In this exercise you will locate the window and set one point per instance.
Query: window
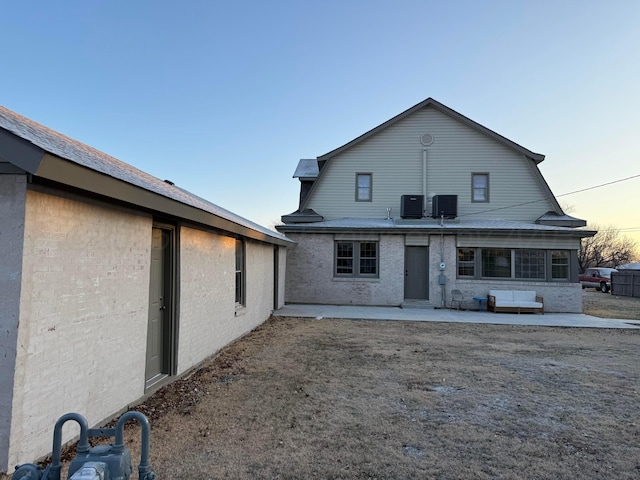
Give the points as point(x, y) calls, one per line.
point(559, 264)
point(356, 259)
point(529, 264)
point(496, 262)
point(363, 187)
point(240, 280)
point(514, 263)
point(466, 262)
point(480, 187)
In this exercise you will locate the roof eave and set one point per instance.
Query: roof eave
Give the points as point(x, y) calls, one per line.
point(20, 152)
point(71, 174)
point(311, 228)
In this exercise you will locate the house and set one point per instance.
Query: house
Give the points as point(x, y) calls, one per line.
point(425, 203)
point(112, 283)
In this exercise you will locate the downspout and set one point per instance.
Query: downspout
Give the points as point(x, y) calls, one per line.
point(444, 279)
point(424, 180)
point(441, 276)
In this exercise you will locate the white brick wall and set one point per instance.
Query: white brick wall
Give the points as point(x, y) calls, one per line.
point(310, 274)
point(282, 268)
point(12, 207)
point(310, 277)
point(81, 345)
point(208, 316)
point(85, 282)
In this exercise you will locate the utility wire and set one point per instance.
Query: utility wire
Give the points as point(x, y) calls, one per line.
point(544, 199)
point(598, 186)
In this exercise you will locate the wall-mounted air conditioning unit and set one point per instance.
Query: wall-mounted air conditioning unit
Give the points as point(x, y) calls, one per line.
point(411, 206)
point(444, 206)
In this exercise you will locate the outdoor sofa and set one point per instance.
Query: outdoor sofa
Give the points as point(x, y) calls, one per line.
point(520, 301)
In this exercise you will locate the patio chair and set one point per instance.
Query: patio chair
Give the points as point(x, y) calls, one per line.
point(457, 298)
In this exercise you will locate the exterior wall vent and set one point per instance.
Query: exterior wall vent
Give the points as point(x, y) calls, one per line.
point(426, 139)
point(445, 205)
point(411, 206)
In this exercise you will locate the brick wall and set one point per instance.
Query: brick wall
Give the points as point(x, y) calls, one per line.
point(209, 319)
point(559, 297)
point(310, 277)
point(83, 316)
point(12, 207)
point(310, 274)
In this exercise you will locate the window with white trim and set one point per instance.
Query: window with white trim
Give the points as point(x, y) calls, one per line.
point(356, 259)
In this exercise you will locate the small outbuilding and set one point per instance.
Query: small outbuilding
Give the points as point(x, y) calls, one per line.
point(112, 283)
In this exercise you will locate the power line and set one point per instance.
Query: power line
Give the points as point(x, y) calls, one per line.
point(598, 186)
point(556, 196)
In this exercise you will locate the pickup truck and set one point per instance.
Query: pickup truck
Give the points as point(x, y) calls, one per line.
point(598, 278)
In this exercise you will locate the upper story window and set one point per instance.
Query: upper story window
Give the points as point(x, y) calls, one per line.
point(363, 187)
point(480, 187)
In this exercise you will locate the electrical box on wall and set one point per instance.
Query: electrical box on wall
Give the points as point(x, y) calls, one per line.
point(411, 206)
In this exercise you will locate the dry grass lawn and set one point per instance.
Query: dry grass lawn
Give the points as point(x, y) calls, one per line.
point(331, 399)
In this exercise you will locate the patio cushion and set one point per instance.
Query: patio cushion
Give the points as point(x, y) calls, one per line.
point(524, 296)
point(502, 296)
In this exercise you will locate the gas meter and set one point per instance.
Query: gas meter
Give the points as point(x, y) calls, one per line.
point(102, 462)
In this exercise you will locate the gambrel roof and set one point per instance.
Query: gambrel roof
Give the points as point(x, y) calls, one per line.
point(52, 156)
point(430, 102)
point(311, 171)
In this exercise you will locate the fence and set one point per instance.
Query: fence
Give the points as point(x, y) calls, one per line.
point(625, 283)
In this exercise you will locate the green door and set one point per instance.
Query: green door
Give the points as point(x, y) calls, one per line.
point(416, 273)
point(159, 324)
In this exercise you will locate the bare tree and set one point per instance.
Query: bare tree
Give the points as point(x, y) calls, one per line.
point(607, 248)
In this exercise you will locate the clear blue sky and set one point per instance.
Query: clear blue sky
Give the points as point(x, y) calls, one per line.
point(224, 97)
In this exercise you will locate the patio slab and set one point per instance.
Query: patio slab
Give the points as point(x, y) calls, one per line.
point(446, 315)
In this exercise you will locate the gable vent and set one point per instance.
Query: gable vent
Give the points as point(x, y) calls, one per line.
point(426, 139)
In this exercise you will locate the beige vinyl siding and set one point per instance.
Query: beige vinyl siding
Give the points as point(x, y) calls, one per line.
point(394, 157)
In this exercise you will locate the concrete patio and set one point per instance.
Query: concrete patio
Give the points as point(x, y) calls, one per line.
point(446, 315)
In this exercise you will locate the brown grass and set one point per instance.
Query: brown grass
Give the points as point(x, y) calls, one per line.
point(605, 305)
point(303, 399)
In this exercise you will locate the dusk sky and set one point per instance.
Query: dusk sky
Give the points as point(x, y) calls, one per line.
point(224, 98)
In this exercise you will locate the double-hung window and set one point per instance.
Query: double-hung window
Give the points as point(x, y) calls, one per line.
point(479, 187)
point(466, 262)
point(363, 187)
point(559, 264)
point(356, 259)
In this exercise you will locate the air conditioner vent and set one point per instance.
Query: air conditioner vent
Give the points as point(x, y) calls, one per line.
point(445, 206)
point(411, 206)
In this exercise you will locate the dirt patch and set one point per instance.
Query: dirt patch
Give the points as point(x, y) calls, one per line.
point(302, 399)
